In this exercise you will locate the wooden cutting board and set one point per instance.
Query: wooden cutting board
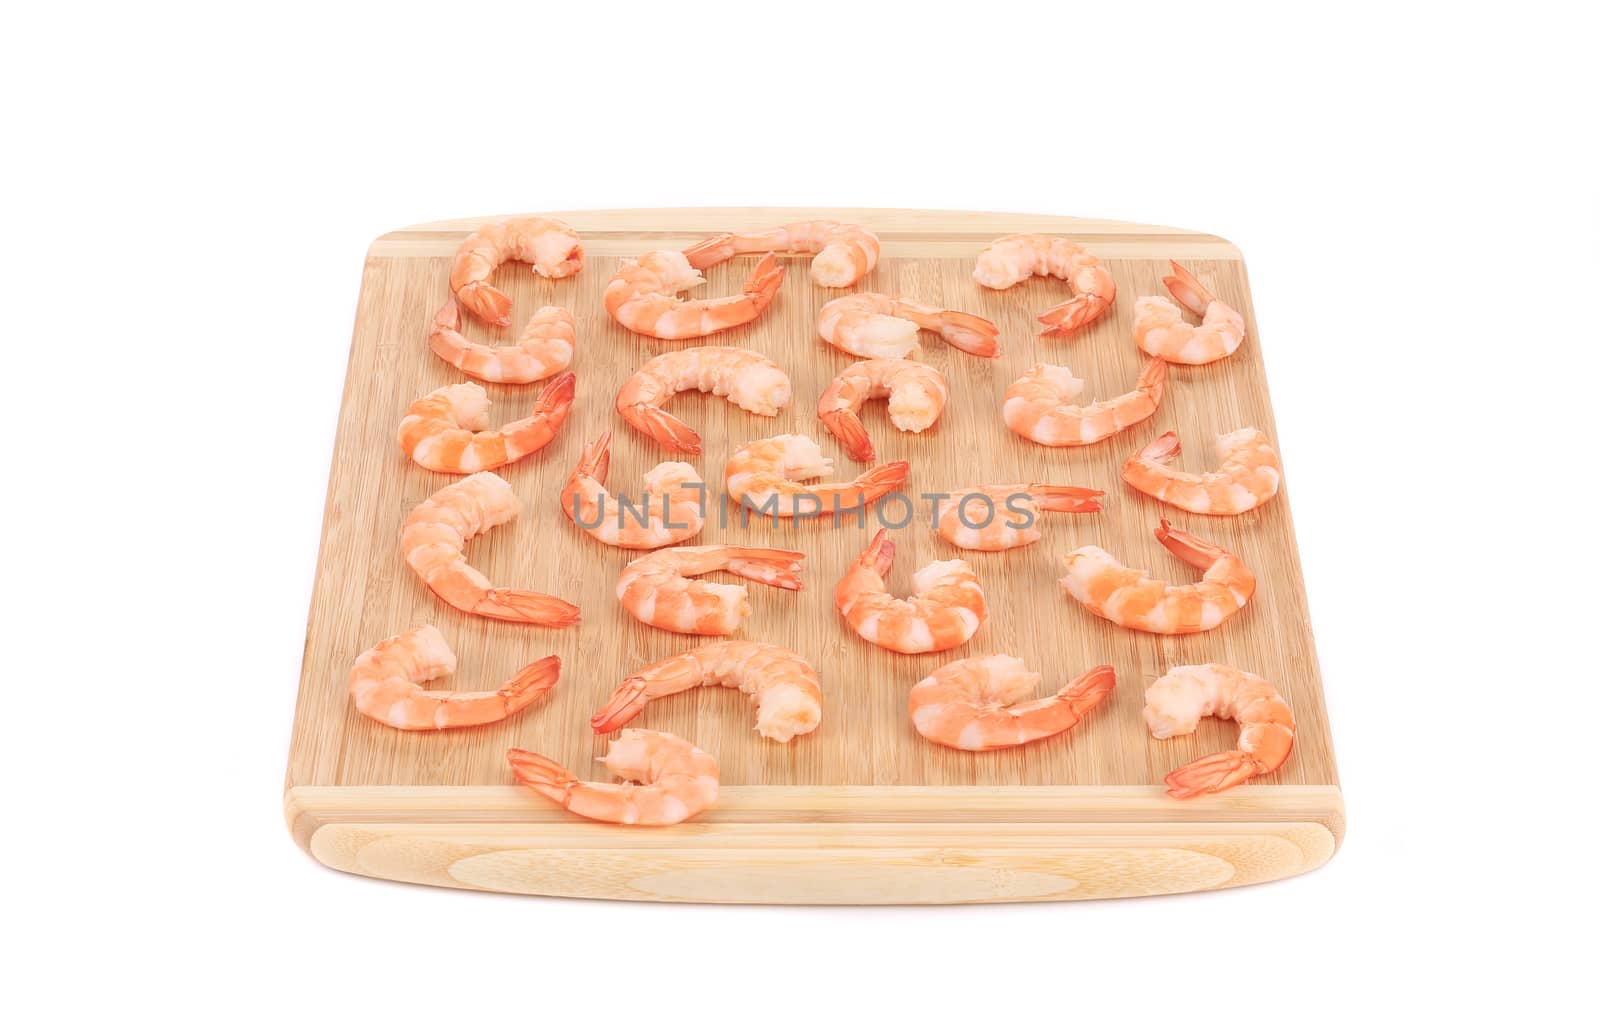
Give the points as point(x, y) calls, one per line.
point(862, 810)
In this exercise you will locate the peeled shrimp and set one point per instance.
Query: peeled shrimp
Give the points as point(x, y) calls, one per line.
point(996, 517)
point(674, 780)
point(1175, 703)
point(550, 246)
point(1249, 474)
point(656, 589)
point(973, 703)
point(764, 476)
point(944, 611)
point(544, 349)
point(643, 297)
point(1159, 327)
point(447, 430)
point(916, 396)
point(1011, 259)
point(844, 253)
point(1131, 598)
point(780, 683)
point(672, 509)
point(385, 685)
point(1039, 406)
point(748, 379)
point(882, 327)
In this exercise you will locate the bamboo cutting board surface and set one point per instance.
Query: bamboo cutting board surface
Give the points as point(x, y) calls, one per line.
point(865, 747)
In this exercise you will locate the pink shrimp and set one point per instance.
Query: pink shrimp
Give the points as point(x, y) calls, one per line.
point(1175, 703)
point(844, 253)
point(671, 780)
point(549, 245)
point(673, 507)
point(748, 379)
point(1159, 327)
point(780, 683)
point(1133, 599)
point(447, 429)
point(1010, 259)
point(643, 297)
point(385, 685)
point(1039, 406)
point(877, 326)
point(544, 349)
point(977, 704)
point(1248, 476)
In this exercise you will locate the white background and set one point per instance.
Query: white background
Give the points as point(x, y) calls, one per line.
point(189, 197)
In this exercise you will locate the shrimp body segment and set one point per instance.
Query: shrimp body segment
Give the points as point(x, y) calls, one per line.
point(780, 683)
point(748, 379)
point(550, 246)
point(844, 253)
point(671, 510)
point(658, 590)
point(916, 393)
point(1159, 327)
point(1175, 703)
point(666, 780)
point(978, 704)
point(544, 349)
point(992, 518)
point(1039, 406)
point(447, 430)
point(946, 607)
point(643, 297)
point(1012, 259)
point(765, 476)
point(1248, 476)
point(434, 540)
point(1133, 599)
point(876, 326)
point(385, 684)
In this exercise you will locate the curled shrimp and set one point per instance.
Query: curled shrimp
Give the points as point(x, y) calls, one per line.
point(748, 379)
point(876, 326)
point(992, 518)
point(434, 540)
point(1175, 703)
point(944, 611)
point(672, 508)
point(916, 394)
point(447, 430)
point(1133, 599)
point(1159, 327)
point(643, 297)
point(1039, 406)
point(657, 589)
point(668, 780)
point(977, 704)
point(1248, 475)
point(1011, 259)
point(543, 350)
point(385, 685)
point(780, 683)
point(844, 253)
point(765, 476)
point(549, 245)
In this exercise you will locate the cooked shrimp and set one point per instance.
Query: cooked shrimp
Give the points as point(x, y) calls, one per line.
point(1011, 259)
point(748, 379)
point(1248, 476)
point(1159, 327)
point(944, 611)
point(672, 509)
point(643, 297)
point(675, 779)
point(844, 253)
point(877, 326)
point(385, 685)
point(550, 246)
point(780, 683)
point(973, 703)
point(544, 349)
point(434, 540)
point(656, 589)
point(996, 517)
point(1175, 703)
point(1131, 598)
point(447, 430)
point(765, 476)
point(1039, 406)
point(916, 396)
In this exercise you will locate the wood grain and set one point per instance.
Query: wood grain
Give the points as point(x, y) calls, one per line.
point(364, 592)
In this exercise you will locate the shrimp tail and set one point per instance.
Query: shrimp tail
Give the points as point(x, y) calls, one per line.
point(970, 333)
point(709, 252)
point(596, 460)
point(1187, 290)
point(846, 425)
point(1064, 318)
point(532, 682)
point(557, 397)
point(1086, 691)
point(1066, 499)
point(667, 429)
point(526, 607)
point(487, 303)
point(879, 555)
point(542, 774)
point(877, 481)
point(1192, 550)
point(1153, 379)
point(764, 280)
point(1163, 448)
point(775, 567)
point(629, 699)
point(1216, 772)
